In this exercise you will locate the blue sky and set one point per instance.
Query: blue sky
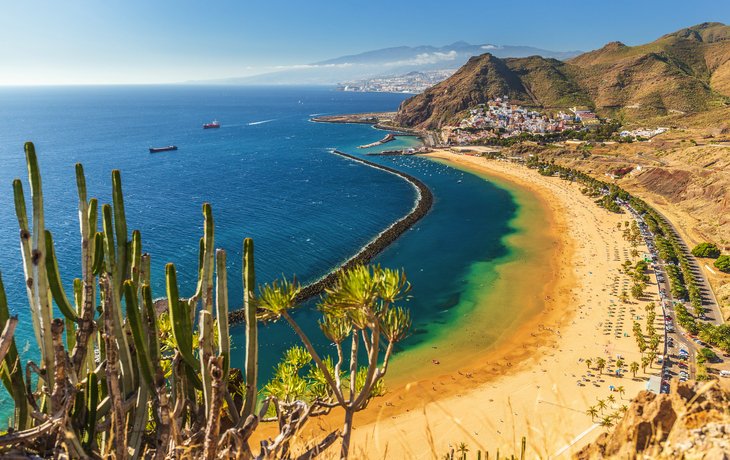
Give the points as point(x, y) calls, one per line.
point(159, 41)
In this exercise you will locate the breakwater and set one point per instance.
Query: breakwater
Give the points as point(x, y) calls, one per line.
point(366, 254)
point(388, 138)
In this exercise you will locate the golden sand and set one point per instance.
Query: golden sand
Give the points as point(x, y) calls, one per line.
point(529, 385)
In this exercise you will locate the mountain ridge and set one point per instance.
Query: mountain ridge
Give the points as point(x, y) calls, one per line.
point(387, 61)
point(684, 71)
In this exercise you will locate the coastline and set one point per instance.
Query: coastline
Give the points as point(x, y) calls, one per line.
point(526, 385)
point(372, 249)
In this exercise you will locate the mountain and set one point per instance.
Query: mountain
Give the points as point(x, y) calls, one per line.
point(388, 61)
point(685, 71)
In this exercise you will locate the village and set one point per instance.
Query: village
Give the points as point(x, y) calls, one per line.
point(500, 119)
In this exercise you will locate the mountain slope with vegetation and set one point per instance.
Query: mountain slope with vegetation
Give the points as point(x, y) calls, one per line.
point(685, 71)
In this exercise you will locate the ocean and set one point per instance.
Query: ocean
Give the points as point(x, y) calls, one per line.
point(269, 174)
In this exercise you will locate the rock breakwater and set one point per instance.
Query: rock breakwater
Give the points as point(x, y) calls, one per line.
point(366, 254)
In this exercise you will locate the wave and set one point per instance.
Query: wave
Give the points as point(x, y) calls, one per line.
point(264, 121)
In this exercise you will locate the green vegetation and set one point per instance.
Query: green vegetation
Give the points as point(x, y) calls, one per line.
point(127, 383)
point(723, 263)
point(708, 250)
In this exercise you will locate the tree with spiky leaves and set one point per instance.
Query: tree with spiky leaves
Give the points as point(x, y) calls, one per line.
point(634, 366)
point(359, 307)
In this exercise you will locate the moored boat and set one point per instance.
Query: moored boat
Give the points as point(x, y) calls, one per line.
point(163, 149)
point(215, 124)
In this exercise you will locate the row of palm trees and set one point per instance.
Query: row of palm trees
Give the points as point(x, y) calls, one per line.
point(609, 420)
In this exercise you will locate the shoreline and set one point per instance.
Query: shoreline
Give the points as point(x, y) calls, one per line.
point(372, 249)
point(526, 385)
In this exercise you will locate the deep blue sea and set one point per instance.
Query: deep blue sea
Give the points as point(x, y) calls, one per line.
point(268, 173)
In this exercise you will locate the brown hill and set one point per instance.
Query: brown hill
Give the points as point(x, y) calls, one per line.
point(686, 71)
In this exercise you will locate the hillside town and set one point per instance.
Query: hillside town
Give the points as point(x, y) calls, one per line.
point(500, 119)
point(411, 83)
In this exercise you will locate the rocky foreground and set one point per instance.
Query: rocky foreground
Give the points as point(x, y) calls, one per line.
point(691, 422)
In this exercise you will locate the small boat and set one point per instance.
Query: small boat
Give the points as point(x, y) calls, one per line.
point(215, 124)
point(435, 362)
point(162, 149)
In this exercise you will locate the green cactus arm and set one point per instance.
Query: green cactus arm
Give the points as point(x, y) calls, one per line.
point(38, 258)
point(98, 253)
point(86, 233)
point(93, 216)
point(138, 335)
point(192, 376)
point(205, 325)
point(252, 345)
point(221, 299)
point(138, 425)
point(154, 335)
point(25, 246)
point(201, 261)
point(115, 304)
point(136, 256)
point(78, 295)
point(179, 318)
point(12, 370)
point(120, 228)
point(209, 259)
point(54, 280)
point(92, 400)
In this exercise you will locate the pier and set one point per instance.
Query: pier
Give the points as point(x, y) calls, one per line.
point(388, 138)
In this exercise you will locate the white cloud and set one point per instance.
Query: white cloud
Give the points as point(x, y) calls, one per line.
point(426, 58)
point(491, 47)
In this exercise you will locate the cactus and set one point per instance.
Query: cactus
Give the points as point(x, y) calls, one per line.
point(92, 399)
point(115, 305)
point(102, 410)
point(179, 316)
point(208, 260)
point(221, 311)
point(205, 325)
point(14, 381)
point(54, 281)
point(252, 358)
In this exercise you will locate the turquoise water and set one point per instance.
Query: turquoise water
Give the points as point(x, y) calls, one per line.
point(268, 174)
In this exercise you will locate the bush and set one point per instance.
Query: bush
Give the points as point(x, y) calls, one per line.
point(709, 250)
point(723, 263)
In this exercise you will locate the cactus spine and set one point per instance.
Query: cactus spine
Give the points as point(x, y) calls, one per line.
point(252, 358)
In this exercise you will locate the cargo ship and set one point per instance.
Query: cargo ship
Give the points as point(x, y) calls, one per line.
point(215, 124)
point(163, 149)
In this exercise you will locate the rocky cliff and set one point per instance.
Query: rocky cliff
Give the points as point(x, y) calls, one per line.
point(691, 422)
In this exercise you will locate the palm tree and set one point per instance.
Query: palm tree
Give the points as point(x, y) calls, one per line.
point(611, 399)
point(634, 253)
point(621, 390)
point(589, 362)
point(462, 449)
point(602, 404)
point(634, 366)
point(624, 297)
point(644, 362)
point(642, 346)
point(616, 415)
point(619, 363)
point(624, 408)
point(600, 364)
point(652, 357)
point(607, 423)
point(592, 411)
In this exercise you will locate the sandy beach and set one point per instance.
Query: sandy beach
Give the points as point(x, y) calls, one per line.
point(536, 383)
point(529, 387)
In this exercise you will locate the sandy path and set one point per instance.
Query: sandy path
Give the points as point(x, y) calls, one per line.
point(530, 386)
